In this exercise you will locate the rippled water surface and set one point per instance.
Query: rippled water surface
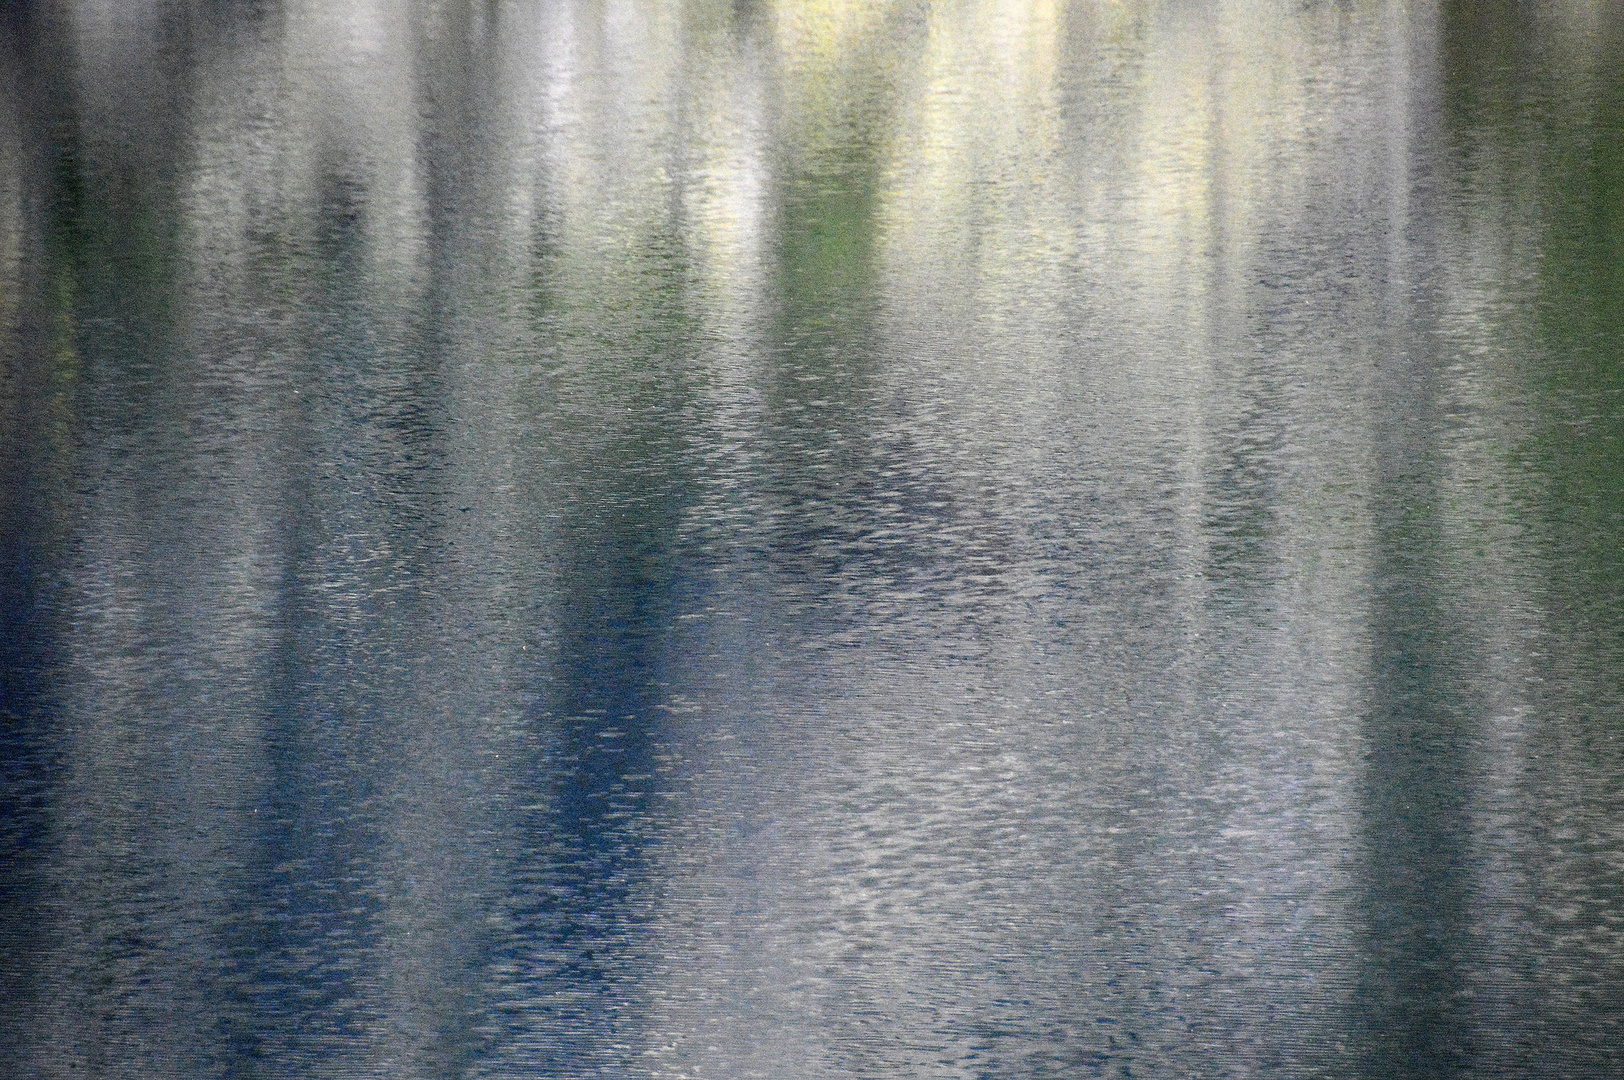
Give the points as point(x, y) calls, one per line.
point(841, 538)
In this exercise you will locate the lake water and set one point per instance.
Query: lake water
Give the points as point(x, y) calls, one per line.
point(844, 538)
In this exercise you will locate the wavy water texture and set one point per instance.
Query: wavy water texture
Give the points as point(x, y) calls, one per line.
point(848, 538)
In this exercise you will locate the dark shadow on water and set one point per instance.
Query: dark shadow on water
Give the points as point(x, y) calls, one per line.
point(1416, 896)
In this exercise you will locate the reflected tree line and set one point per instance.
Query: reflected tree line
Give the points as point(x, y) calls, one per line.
point(290, 628)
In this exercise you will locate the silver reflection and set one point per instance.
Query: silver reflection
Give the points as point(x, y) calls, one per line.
point(844, 538)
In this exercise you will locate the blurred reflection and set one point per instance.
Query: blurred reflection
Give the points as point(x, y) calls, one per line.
point(851, 538)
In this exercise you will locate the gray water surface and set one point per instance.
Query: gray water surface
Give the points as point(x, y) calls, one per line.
point(839, 538)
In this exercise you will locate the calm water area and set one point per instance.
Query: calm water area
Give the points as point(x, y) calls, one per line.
point(811, 539)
